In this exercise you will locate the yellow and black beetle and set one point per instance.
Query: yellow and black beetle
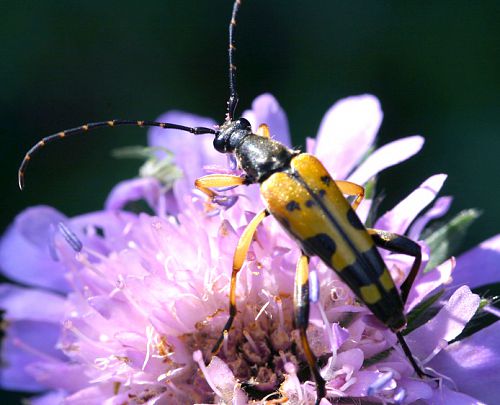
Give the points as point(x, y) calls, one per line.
point(301, 195)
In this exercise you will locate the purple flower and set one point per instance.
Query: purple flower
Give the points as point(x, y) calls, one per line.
point(118, 307)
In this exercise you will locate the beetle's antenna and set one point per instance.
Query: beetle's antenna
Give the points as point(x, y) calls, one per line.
point(233, 96)
point(94, 125)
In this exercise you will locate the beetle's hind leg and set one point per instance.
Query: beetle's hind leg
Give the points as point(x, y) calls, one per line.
point(401, 244)
point(240, 255)
point(301, 321)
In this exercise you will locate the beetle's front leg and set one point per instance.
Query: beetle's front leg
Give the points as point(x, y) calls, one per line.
point(206, 183)
point(240, 255)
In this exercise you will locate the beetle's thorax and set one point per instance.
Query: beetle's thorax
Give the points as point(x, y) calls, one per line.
point(257, 156)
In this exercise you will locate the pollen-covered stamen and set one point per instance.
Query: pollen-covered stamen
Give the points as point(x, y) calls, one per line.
point(380, 383)
point(70, 237)
point(399, 396)
point(198, 358)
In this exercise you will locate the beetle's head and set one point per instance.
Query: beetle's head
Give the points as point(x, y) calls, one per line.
point(230, 135)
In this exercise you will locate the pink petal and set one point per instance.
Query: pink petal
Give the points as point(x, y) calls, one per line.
point(479, 266)
point(386, 156)
point(402, 215)
point(440, 208)
point(473, 364)
point(347, 131)
point(447, 324)
point(266, 110)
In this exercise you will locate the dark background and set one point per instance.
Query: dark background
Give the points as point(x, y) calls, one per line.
point(435, 67)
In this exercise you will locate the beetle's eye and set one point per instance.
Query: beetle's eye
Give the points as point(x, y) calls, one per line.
point(244, 124)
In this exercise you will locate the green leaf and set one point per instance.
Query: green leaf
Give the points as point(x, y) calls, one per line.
point(444, 241)
point(423, 312)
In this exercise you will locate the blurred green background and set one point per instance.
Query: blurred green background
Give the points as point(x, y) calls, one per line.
point(435, 67)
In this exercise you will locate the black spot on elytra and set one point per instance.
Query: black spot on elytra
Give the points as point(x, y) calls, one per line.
point(326, 180)
point(310, 203)
point(320, 245)
point(292, 205)
point(354, 220)
point(322, 192)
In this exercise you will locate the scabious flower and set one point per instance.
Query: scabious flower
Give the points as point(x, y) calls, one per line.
point(116, 307)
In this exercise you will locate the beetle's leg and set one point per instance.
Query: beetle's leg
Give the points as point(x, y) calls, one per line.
point(400, 244)
point(301, 321)
point(263, 130)
point(353, 189)
point(239, 258)
point(205, 184)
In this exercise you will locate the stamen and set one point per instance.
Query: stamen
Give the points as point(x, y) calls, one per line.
point(399, 396)
point(67, 324)
point(226, 201)
point(198, 358)
point(292, 374)
point(313, 286)
point(70, 237)
point(149, 343)
point(251, 341)
point(231, 162)
point(281, 316)
point(380, 383)
point(441, 345)
point(262, 310)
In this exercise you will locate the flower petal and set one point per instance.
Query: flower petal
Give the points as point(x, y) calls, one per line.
point(446, 396)
point(402, 215)
point(479, 266)
point(386, 156)
point(472, 364)
point(191, 152)
point(447, 324)
point(266, 110)
point(440, 208)
point(148, 189)
point(346, 133)
point(25, 249)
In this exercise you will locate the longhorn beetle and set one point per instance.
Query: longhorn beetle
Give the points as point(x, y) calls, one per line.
point(300, 194)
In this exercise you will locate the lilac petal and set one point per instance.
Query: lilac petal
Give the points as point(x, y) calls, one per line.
point(25, 249)
point(446, 396)
point(148, 189)
point(402, 215)
point(347, 131)
point(472, 364)
point(24, 304)
point(429, 281)
point(479, 266)
point(446, 325)
point(440, 208)
point(51, 398)
point(386, 156)
point(266, 110)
